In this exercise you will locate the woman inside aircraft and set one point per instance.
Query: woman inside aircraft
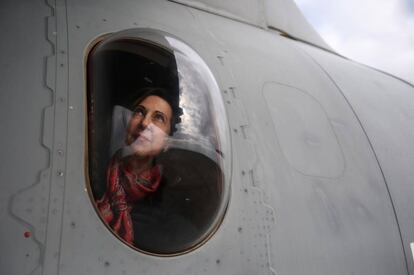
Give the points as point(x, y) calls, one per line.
point(133, 175)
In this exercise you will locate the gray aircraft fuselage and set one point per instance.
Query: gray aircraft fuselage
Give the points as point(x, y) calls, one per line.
point(320, 158)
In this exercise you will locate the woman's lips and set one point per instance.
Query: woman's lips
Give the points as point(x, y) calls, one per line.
point(143, 138)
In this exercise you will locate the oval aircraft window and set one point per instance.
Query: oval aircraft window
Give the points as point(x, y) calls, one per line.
point(158, 144)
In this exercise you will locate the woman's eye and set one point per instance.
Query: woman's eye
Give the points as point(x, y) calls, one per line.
point(159, 118)
point(139, 112)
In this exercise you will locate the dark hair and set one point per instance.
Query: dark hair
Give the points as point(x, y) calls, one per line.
point(172, 99)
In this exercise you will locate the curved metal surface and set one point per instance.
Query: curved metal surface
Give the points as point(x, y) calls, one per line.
point(281, 15)
point(385, 108)
point(278, 221)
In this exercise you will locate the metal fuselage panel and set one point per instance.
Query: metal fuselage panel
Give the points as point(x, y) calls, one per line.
point(286, 216)
point(385, 107)
point(24, 158)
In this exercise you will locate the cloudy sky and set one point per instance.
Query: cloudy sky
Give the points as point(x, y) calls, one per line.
point(379, 33)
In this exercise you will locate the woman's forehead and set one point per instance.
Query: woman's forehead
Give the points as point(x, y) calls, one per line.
point(156, 103)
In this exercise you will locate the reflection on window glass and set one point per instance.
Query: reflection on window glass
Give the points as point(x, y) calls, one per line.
point(158, 142)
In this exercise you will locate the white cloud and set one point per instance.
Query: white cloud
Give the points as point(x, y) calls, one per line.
point(379, 33)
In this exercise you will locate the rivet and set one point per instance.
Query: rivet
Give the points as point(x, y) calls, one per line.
point(220, 58)
point(60, 152)
point(71, 107)
point(60, 173)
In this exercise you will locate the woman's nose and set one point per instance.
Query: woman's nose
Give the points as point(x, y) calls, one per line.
point(145, 122)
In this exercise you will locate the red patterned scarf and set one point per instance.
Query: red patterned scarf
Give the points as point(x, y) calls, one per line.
point(123, 188)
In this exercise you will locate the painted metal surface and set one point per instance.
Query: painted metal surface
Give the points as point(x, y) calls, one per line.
point(282, 15)
point(333, 216)
point(26, 144)
point(385, 108)
point(285, 16)
point(315, 216)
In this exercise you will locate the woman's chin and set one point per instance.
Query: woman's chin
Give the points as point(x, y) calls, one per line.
point(143, 152)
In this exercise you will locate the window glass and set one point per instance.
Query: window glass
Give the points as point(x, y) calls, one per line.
point(158, 145)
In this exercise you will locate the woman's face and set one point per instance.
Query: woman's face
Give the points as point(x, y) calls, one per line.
point(149, 127)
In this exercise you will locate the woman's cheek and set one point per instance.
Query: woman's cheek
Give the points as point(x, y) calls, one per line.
point(159, 139)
